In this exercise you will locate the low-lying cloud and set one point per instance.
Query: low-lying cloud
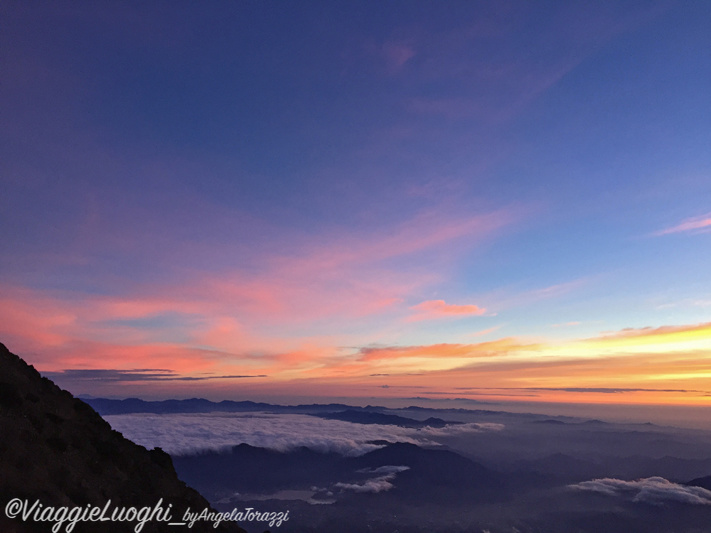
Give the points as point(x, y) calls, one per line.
point(183, 434)
point(458, 429)
point(652, 490)
point(377, 484)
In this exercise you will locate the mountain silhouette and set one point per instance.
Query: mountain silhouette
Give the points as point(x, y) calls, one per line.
point(431, 474)
point(368, 417)
point(703, 482)
point(56, 449)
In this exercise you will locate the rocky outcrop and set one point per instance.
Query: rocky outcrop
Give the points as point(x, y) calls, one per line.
point(56, 450)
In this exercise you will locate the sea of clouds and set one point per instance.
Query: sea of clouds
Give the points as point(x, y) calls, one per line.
point(183, 434)
point(652, 490)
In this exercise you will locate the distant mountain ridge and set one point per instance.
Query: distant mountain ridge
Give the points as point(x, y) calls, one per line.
point(108, 406)
point(703, 482)
point(431, 474)
point(368, 417)
point(105, 406)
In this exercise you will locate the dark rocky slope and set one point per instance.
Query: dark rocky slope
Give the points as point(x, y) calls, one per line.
point(55, 448)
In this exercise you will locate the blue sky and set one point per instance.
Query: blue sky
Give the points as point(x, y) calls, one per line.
point(272, 187)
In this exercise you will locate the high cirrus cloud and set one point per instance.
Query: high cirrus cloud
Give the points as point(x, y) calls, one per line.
point(238, 309)
point(695, 224)
point(652, 490)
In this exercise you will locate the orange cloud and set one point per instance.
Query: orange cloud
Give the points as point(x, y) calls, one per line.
point(439, 308)
point(266, 321)
point(437, 351)
point(665, 364)
point(656, 336)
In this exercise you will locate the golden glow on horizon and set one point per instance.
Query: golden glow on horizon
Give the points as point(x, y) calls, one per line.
point(673, 361)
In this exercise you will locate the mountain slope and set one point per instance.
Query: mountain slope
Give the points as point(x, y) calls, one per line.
point(58, 450)
point(703, 482)
point(430, 474)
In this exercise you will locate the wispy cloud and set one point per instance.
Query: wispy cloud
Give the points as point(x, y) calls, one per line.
point(695, 225)
point(440, 309)
point(359, 277)
point(218, 321)
point(483, 349)
point(139, 374)
point(595, 390)
point(508, 299)
point(377, 484)
point(652, 335)
point(396, 55)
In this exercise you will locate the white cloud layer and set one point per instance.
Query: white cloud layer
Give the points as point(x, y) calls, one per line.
point(182, 434)
point(377, 484)
point(653, 490)
point(458, 429)
point(387, 469)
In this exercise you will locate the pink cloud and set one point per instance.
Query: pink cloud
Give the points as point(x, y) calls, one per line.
point(695, 224)
point(289, 316)
point(440, 309)
point(415, 235)
point(507, 299)
point(397, 55)
point(42, 320)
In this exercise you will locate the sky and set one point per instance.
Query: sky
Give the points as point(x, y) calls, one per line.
point(250, 200)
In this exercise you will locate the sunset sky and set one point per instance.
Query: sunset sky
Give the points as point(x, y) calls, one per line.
point(253, 200)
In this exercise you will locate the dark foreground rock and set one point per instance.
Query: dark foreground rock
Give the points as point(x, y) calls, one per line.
point(56, 450)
